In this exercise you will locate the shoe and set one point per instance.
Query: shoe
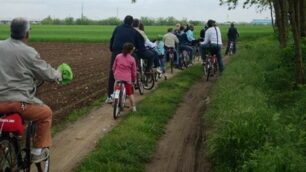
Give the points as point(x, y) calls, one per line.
point(109, 100)
point(45, 153)
point(165, 76)
point(134, 109)
point(159, 71)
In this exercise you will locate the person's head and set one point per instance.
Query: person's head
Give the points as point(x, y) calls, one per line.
point(136, 23)
point(128, 48)
point(20, 28)
point(128, 20)
point(211, 23)
point(177, 26)
point(141, 26)
point(182, 28)
point(170, 30)
point(232, 25)
point(191, 27)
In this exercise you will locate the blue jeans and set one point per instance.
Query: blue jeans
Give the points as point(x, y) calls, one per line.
point(214, 49)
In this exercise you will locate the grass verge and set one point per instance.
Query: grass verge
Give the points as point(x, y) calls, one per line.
point(132, 143)
point(258, 113)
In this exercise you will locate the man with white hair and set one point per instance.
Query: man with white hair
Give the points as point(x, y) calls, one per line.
point(21, 66)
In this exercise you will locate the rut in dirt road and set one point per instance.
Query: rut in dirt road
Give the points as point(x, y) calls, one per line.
point(177, 149)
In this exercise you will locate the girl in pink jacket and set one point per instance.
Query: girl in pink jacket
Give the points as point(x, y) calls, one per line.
point(124, 69)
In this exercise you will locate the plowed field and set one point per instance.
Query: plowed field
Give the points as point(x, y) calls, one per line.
point(90, 65)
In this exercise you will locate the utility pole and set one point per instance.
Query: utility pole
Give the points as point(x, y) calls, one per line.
point(82, 13)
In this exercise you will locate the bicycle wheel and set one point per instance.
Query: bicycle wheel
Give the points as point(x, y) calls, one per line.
point(148, 81)
point(139, 84)
point(208, 72)
point(8, 155)
point(116, 109)
point(42, 166)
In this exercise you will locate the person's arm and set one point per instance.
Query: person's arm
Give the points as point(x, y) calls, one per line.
point(176, 39)
point(134, 70)
point(115, 64)
point(150, 44)
point(41, 69)
point(112, 40)
point(207, 37)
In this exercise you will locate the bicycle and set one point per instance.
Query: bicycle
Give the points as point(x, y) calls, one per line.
point(139, 85)
point(170, 52)
point(210, 66)
point(119, 98)
point(15, 155)
point(231, 48)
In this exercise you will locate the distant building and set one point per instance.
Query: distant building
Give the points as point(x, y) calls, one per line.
point(261, 21)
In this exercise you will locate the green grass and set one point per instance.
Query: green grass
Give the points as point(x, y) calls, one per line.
point(258, 113)
point(132, 143)
point(92, 33)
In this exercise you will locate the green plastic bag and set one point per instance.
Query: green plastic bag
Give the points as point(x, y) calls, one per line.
point(67, 74)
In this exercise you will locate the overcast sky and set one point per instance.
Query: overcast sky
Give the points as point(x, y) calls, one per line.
point(98, 9)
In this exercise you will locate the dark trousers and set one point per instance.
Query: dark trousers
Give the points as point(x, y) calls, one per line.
point(228, 46)
point(111, 78)
point(147, 55)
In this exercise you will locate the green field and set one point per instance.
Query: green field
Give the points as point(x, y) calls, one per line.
point(90, 33)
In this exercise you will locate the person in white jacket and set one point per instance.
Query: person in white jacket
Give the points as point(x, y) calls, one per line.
point(213, 42)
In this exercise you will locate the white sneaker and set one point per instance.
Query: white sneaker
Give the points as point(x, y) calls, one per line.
point(159, 71)
point(109, 100)
point(134, 109)
point(45, 153)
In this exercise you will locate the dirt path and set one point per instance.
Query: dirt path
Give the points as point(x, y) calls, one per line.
point(177, 149)
point(180, 149)
point(72, 145)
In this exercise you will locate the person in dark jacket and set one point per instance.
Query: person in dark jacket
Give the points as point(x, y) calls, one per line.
point(232, 36)
point(122, 34)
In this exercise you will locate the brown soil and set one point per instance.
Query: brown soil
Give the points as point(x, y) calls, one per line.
point(177, 150)
point(90, 65)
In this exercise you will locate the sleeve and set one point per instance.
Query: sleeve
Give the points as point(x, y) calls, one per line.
point(207, 37)
point(112, 40)
point(134, 68)
point(150, 44)
point(176, 39)
point(115, 64)
point(41, 69)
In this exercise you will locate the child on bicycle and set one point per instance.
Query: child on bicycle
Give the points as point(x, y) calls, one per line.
point(124, 69)
point(161, 54)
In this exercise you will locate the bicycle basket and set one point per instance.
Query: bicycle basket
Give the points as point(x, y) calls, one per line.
point(12, 123)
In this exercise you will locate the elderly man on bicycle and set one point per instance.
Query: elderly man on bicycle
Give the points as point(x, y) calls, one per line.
point(212, 41)
point(21, 66)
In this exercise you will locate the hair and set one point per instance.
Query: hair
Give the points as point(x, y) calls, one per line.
point(232, 25)
point(182, 28)
point(170, 29)
point(141, 26)
point(136, 23)
point(19, 28)
point(127, 48)
point(211, 23)
point(128, 20)
point(178, 25)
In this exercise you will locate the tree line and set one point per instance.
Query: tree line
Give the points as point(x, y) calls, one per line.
point(147, 21)
point(290, 16)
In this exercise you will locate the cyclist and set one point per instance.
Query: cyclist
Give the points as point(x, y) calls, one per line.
point(122, 34)
point(21, 66)
point(124, 69)
point(151, 46)
point(212, 41)
point(184, 43)
point(160, 49)
point(170, 40)
point(142, 51)
point(232, 35)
